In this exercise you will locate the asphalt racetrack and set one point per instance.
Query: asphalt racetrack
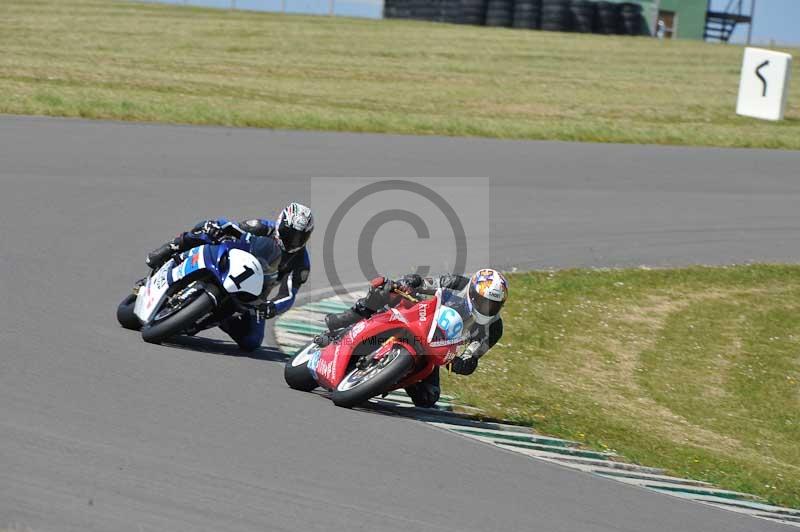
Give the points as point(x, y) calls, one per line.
point(100, 431)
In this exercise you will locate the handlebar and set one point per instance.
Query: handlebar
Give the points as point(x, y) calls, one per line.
point(402, 293)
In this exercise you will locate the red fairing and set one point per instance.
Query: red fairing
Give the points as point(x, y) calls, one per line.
point(417, 319)
point(333, 362)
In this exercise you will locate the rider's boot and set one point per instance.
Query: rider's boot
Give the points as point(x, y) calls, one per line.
point(425, 393)
point(335, 323)
point(156, 258)
point(342, 319)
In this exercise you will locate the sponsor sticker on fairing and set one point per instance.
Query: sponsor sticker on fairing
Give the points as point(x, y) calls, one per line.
point(325, 369)
point(357, 329)
point(328, 369)
point(160, 280)
point(313, 362)
point(450, 322)
point(397, 316)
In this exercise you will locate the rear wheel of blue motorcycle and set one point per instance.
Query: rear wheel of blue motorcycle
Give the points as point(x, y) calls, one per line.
point(125, 315)
point(296, 372)
point(181, 319)
point(359, 386)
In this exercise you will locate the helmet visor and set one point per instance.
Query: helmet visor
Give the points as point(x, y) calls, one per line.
point(484, 305)
point(292, 238)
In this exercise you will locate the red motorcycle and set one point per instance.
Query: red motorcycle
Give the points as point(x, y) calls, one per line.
point(392, 349)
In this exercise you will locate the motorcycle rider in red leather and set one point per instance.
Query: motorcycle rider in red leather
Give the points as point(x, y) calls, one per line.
point(478, 299)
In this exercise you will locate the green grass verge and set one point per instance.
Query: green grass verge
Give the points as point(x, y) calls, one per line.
point(695, 370)
point(149, 62)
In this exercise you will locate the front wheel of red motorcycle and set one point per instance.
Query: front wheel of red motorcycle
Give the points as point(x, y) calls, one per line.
point(296, 372)
point(362, 384)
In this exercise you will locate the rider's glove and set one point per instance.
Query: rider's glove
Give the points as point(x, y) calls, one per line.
point(411, 280)
point(409, 283)
point(212, 229)
point(378, 282)
point(465, 364)
point(266, 311)
point(378, 294)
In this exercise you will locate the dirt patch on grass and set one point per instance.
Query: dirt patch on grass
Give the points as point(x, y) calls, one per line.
point(690, 370)
point(614, 384)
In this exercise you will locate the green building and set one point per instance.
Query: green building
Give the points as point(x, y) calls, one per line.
point(694, 19)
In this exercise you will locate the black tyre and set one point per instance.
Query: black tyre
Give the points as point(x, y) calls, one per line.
point(472, 12)
point(499, 13)
point(632, 24)
point(359, 386)
point(125, 315)
point(296, 372)
point(631, 19)
point(473, 20)
point(555, 15)
point(583, 13)
point(607, 20)
point(498, 22)
point(526, 14)
point(553, 25)
point(178, 319)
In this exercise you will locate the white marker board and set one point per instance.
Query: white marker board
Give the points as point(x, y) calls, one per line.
point(764, 84)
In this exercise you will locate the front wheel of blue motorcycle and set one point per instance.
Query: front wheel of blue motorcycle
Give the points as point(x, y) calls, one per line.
point(178, 315)
point(125, 315)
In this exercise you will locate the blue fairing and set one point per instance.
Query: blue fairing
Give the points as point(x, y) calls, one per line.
point(212, 258)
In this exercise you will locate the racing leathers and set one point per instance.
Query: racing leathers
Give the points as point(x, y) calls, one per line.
point(287, 271)
point(478, 338)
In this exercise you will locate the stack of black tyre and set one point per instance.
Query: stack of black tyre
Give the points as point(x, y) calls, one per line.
point(526, 14)
point(552, 15)
point(396, 9)
point(499, 12)
point(473, 12)
point(555, 15)
point(631, 19)
point(582, 12)
point(426, 10)
point(606, 19)
point(412, 9)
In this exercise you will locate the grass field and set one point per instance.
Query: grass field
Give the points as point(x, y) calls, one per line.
point(118, 60)
point(696, 370)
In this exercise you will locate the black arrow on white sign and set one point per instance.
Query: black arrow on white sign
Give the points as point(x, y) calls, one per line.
point(762, 78)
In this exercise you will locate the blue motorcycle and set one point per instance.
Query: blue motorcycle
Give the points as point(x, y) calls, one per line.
point(193, 291)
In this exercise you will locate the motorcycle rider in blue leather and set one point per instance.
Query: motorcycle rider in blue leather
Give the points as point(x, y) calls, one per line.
point(279, 246)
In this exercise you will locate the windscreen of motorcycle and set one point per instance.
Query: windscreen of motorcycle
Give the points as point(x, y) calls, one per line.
point(453, 319)
point(449, 323)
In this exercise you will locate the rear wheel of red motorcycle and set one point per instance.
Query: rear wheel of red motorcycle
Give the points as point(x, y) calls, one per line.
point(296, 372)
point(360, 385)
